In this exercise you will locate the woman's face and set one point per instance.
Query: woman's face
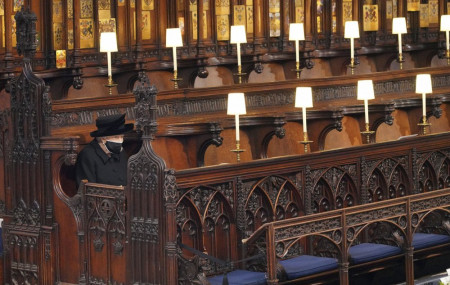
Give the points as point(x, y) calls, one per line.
point(116, 139)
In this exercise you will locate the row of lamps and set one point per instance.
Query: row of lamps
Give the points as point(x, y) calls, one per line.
point(304, 99)
point(108, 43)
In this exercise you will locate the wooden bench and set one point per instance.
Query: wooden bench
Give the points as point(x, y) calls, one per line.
point(356, 243)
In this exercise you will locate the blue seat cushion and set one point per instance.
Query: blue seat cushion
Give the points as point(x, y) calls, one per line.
point(421, 240)
point(306, 265)
point(240, 277)
point(366, 252)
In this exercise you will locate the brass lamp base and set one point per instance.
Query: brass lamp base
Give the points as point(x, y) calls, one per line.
point(400, 60)
point(175, 82)
point(367, 133)
point(424, 125)
point(238, 151)
point(305, 142)
point(175, 79)
point(352, 65)
point(110, 85)
point(239, 75)
point(305, 145)
point(297, 69)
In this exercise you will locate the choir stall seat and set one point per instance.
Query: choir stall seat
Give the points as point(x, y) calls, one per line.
point(240, 277)
point(366, 252)
point(305, 265)
point(424, 240)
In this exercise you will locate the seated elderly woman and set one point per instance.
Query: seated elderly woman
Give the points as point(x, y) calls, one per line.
point(103, 159)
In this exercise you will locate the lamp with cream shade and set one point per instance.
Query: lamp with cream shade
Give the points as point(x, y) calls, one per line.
point(424, 86)
point(174, 40)
point(366, 93)
point(108, 44)
point(352, 33)
point(445, 27)
point(236, 107)
point(238, 37)
point(303, 99)
point(297, 33)
point(399, 27)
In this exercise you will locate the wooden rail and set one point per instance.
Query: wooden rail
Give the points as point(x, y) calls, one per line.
point(343, 226)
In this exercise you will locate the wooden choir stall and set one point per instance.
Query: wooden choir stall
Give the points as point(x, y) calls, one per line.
point(333, 168)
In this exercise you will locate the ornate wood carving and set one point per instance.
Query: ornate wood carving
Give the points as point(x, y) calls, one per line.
point(30, 232)
point(152, 226)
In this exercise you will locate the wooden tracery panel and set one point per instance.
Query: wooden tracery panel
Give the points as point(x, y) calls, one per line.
point(272, 198)
point(389, 179)
point(205, 221)
point(334, 188)
point(433, 171)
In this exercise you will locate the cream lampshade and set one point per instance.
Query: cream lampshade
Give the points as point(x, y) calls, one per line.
point(445, 27)
point(352, 33)
point(236, 104)
point(297, 33)
point(303, 99)
point(424, 86)
point(236, 107)
point(238, 36)
point(351, 30)
point(173, 37)
point(399, 27)
point(365, 92)
point(173, 40)
point(108, 44)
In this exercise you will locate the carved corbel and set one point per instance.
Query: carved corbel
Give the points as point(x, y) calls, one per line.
point(337, 116)
point(278, 131)
point(307, 62)
point(214, 129)
point(386, 118)
point(436, 110)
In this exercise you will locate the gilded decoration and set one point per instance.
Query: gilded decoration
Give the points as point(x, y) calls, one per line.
point(58, 35)
point(194, 25)
point(424, 16)
point(347, 11)
point(86, 33)
point(249, 17)
point(222, 7)
point(70, 9)
point(148, 4)
point(107, 25)
point(433, 10)
point(413, 5)
point(104, 4)
point(87, 9)
point(239, 15)
point(18, 5)
point(223, 28)
point(57, 11)
point(370, 13)
point(146, 25)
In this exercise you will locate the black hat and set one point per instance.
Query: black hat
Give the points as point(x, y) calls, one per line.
point(111, 125)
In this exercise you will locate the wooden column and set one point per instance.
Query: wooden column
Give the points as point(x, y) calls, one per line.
point(259, 24)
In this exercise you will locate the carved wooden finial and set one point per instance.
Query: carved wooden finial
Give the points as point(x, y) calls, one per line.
point(26, 32)
point(145, 109)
